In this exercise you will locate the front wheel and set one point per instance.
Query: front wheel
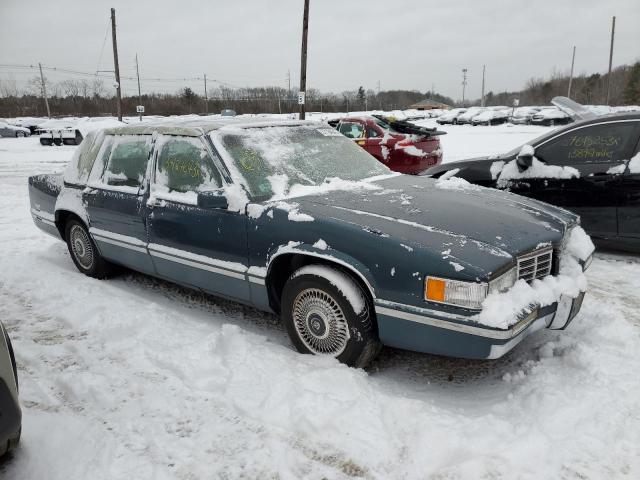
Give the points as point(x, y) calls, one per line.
point(84, 252)
point(326, 312)
point(20, 134)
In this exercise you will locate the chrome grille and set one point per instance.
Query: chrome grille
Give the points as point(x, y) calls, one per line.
point(536, 264)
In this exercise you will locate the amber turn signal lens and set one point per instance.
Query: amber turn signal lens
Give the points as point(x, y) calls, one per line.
point(435, 289)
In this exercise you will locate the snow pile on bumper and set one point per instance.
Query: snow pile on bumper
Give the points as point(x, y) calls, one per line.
point(502, 310)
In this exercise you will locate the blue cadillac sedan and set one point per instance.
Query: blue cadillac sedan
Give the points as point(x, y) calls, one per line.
point(293, 218)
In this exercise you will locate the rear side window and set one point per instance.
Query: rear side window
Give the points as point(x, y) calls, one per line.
point(351, 130)
point(82, 161)
point(122, 162)
point(604, 143)
point(184, 165)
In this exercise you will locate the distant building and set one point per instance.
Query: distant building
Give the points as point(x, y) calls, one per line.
point(428, 104)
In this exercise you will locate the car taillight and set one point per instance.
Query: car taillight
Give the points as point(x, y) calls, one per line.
point(404, 143)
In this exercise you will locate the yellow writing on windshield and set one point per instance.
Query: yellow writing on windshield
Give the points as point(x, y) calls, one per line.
point(249, 160)
point(184, 167)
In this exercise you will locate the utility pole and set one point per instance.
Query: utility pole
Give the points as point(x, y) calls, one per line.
point(379, 99)
point(115, 62)
point(482, 101)
point(303, 59)
point(613, 32)
point(139, 94)
point(44, 91)
point(464, 83)
point(206, 97)
point(573, 61)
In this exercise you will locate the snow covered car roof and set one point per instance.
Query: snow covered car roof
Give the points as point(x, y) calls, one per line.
point(197, 127)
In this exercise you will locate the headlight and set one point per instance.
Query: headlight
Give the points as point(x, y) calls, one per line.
point(466, 294)
point(504, 281)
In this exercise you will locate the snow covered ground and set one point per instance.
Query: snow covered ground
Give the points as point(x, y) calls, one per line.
point(135, 378)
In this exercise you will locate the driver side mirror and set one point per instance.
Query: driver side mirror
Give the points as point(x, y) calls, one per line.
point(524, 160)
point(214, 199)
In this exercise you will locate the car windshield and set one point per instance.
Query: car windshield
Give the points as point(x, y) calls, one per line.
point(275, 158)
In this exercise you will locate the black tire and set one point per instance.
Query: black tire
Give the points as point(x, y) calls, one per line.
point(57, 141)
point(314, 308)
point(12, 357)
point(11, 443)
point(84, 252)
point(20, 134)
point(47, 142)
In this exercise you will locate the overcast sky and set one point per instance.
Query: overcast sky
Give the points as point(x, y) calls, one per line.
point(408, 44)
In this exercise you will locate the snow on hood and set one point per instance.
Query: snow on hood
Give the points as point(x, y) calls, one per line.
point(418, 212)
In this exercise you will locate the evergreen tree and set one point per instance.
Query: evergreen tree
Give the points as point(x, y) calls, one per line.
point(632, 90)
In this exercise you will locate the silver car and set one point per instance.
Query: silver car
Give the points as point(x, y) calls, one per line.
point(10, 413)
point(7, 130)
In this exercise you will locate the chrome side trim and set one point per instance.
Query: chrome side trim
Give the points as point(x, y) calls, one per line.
point(44, 216)
point(259, 281)
point(124, 241)
point(117, 243)
point(425, 318)
point(201, 266)
point(43, 220)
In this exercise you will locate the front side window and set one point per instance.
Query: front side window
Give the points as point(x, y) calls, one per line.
point(603, 143)
point(352, 130)
point(184, 165)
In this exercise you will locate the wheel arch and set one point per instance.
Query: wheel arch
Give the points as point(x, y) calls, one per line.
point(282, 266)
point(61, 219)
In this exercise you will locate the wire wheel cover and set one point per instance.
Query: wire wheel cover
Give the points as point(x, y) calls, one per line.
point(81, 246)
point(320, 322)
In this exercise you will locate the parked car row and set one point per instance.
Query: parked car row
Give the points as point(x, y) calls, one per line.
point(548, 116)
point(296, 219)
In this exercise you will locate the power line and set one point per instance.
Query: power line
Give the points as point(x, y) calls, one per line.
point(104, 75)
point(106, 32)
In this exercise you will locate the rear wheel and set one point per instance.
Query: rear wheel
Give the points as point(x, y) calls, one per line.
point(322, 319)
point(20, 134)
point(84, 252)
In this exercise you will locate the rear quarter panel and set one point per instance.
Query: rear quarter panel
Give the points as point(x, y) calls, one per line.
point(43, 194)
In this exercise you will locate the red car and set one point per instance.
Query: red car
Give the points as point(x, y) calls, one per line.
point(401, 146)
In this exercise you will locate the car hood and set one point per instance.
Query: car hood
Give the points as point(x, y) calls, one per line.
point(427, 212)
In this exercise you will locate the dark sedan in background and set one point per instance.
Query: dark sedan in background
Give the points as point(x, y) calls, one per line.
point(586, 167)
